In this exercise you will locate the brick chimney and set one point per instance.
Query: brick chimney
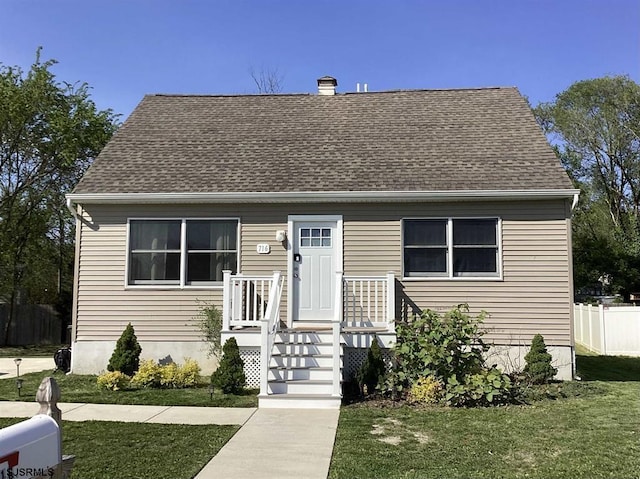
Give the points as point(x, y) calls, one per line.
point(327, 85)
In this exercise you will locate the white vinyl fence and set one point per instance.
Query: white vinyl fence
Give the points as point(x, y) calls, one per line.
point(608, 330)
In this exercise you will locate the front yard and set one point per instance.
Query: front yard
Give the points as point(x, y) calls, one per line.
point(592, 433)
point(83, 388)
point(139, 451)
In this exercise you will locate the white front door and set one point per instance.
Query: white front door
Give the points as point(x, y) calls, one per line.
point(315, 247)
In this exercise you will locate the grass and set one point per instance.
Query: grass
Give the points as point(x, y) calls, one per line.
point(139, 451)
point(83, 388)
point(32, 351)
point(592, 433)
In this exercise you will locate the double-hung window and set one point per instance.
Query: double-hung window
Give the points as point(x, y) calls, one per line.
point(181, 252)
point(451, 247)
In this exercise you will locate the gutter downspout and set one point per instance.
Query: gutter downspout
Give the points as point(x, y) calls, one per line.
point(575, 201)
point(74, 212)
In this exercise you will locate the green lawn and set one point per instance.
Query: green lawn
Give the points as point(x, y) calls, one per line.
point(592, 433)
point(81, 388)
point(32, 351)
point(139, 451)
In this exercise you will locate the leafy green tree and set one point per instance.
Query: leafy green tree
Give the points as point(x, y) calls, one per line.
point(126, 355)
point(371, 372)
point(230, 377)
point(50, 132)
point(538, 368)
point(594, 126)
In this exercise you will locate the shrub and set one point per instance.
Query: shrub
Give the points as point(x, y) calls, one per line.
point(426, 390)
point(450, 349)
point(126, 355)
point(172, 375)
point(188, 373)
point(169, 376)
point(113, 381)
point(538, 369)
point(371, 372)
point(209, 320)
point(148, 375)
point(229, 377)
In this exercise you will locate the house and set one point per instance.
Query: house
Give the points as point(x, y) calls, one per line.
point(314, 222)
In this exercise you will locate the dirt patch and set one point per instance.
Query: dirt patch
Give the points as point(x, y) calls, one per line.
point(393, 440)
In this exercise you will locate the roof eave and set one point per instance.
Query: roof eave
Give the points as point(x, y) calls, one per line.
point(319, 196)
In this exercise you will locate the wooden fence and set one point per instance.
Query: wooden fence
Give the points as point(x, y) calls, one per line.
point(32, 324)
point(608, 330)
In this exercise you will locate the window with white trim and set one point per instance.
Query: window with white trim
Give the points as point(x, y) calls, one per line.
point(451, 247)
point(181, 251)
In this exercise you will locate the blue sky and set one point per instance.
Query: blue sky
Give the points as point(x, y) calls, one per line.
point(126, 48)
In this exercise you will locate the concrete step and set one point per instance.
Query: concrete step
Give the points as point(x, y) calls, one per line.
point(299, 401)
point(301, 386)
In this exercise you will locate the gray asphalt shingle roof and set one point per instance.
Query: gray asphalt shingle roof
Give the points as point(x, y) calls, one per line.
point(418, 140)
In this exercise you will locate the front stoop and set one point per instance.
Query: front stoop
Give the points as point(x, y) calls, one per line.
point(300, 371)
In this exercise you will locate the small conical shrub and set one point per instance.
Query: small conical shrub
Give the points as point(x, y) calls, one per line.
point(229, 377)
point(538, 368)
point(126, 356)
point(372, 370)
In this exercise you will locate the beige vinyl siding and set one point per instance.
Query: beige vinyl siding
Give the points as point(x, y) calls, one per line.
point(534, 295)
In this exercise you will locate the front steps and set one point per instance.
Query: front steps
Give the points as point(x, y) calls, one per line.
point(301, 371)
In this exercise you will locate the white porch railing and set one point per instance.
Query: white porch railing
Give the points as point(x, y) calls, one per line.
point(245, 299)
point(369, 301)
point(270, 324)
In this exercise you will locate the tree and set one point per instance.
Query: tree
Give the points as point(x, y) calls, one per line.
point(538, 368)
point(594, 126)
point(230, 377)
point(267, 80)
point(50, 132)
point(126, 355)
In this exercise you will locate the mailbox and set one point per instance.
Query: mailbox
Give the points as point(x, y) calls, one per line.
point(30, 448)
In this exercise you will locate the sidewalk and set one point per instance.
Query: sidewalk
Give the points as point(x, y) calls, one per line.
point(271, 443)
point(126, 413)
point(27, 365)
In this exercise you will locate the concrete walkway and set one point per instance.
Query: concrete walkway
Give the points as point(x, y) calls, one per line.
point(126, 413)
point(27, 365)
point(278, 443)
point(271, 443)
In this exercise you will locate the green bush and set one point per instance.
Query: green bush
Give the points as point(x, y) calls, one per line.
point(427, 390)
point(126, 355)
point(450, 349)
point(113, 381)
point(229, 377)
point(371, 372)
point(148, 375)
point(188, 373)
point(172, 375)
point(538, 369)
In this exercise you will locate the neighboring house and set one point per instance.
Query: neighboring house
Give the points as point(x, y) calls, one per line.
point(316, 221)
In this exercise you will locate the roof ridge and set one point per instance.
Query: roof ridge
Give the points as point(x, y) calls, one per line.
point(401, 90)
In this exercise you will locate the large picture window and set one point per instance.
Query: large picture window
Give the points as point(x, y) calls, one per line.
point(181, 251)
point(451, 247)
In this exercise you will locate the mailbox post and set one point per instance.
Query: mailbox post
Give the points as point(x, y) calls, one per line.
point(33, 448)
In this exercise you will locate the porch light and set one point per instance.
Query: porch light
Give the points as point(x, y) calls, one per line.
point(281, 235)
